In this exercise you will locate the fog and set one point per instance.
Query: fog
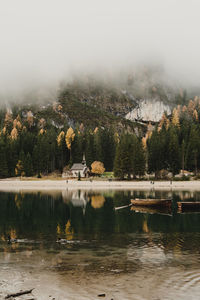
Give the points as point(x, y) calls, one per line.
point(46, 41)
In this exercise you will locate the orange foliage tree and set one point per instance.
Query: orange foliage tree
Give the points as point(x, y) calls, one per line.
point(97, 167)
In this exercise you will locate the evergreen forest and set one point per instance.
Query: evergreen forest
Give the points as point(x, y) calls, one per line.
point(31, 145)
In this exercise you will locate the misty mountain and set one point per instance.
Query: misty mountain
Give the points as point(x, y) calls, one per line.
point(122, 101)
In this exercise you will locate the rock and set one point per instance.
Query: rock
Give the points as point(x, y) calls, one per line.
point(148, 110)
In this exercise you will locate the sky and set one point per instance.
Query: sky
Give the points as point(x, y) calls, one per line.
point(44, 41)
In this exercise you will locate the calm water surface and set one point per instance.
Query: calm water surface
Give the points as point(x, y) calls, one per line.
point(75, 245)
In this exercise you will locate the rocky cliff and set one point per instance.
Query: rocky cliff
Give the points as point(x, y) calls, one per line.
point(148, 110)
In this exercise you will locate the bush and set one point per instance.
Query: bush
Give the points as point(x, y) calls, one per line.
point(183, 178)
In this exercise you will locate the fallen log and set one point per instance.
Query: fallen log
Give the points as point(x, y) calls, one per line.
point(19, 294)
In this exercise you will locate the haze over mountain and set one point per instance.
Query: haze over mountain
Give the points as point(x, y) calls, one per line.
point(43, 42)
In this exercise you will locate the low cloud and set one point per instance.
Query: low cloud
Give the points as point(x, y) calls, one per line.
point(45, 41)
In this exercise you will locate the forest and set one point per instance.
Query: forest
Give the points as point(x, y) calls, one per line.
point(31, 146)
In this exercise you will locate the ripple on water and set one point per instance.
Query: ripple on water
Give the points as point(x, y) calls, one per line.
point(183, 285)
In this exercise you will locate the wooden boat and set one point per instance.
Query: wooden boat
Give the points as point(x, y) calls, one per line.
point(152, 202)
point(188, 206)
point(152, 210)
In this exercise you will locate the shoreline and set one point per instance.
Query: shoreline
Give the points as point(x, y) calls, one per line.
point(63, 185)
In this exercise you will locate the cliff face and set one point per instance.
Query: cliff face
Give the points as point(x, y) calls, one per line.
point(142, 94)
point(148, 110)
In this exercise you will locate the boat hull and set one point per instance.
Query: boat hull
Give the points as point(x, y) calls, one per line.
point(188, 206)
point(152, 202)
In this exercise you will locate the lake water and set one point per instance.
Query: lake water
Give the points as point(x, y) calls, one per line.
point(75, 245)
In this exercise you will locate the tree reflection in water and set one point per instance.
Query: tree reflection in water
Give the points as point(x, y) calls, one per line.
point(85, 215)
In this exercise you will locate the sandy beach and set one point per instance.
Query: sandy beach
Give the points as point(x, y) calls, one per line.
point(61, 185)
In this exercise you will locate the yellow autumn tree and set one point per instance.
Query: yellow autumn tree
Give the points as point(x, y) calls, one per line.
point(14, 133)
point(144, 141)
point(116, 138)
point(175, 118)
point(42, 131)
point(195, 115)
point(19, 169)
point(17, 123)
point(60, 138)
point(148, 134)
point(4, 130)
point(97, 167)
point(163, 122)
point(8, 118)
point(191, 106)
point(96, 130)
point(70, 135)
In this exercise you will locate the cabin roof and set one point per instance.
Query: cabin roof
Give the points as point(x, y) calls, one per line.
point(78, 167)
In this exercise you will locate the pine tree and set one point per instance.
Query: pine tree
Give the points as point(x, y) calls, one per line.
point(174, 152)
point(98, 145)
point(108, 149)
point(77, 147)
point(138, 158)
point(193, 149)
point(36, 160)
point(157, 147)
point(28, 166)
point(89, 151)
point(3, 161)
point(123, 164)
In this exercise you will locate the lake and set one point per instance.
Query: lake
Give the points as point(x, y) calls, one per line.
point(75, 245)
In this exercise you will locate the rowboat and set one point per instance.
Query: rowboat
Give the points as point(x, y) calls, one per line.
point(188, 206)
point(152, 202)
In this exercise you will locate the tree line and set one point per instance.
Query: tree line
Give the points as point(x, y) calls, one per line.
point(33, 147)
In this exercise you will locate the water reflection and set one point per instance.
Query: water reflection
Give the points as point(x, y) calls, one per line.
point(83, 214)
point(78, 234)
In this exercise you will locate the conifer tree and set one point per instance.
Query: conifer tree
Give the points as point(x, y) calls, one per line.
point(123, 164)
point(193, 149)
point(36, 160)
point(28, 167)
point(77, 147)
point(108, 149)
point(98, 142)
point(89, 151)
point(156, 152)
point(173, 152)
point(3, 161)
point(138, 158)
